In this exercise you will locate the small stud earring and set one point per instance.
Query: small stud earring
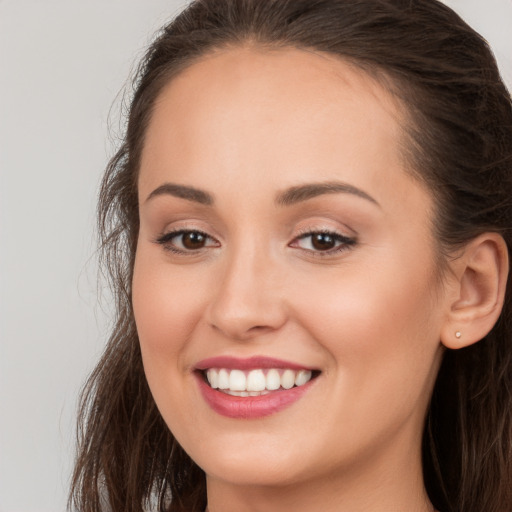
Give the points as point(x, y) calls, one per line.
point(458, 334)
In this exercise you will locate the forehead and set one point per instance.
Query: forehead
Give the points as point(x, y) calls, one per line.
point(236, 84)
point(282, 115)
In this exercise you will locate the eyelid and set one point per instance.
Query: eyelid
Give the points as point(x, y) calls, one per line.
point(346, 242)
point(186, 224)
point(165, 240)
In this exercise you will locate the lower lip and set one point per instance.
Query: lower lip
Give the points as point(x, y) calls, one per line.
point(250, 407)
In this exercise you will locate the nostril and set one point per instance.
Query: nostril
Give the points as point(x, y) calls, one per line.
point(259, 328)
point(241, 330)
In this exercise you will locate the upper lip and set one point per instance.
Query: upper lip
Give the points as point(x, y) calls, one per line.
point(251, 363)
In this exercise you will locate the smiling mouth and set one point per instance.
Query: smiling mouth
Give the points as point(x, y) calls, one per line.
point(256, 382)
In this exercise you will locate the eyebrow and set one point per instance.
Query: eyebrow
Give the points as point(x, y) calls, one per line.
point(288, 197)
point(301, 193)
point(183, 192)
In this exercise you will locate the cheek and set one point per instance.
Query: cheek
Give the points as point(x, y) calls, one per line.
point(166, 307)
point(380, 326)
point(380, 333)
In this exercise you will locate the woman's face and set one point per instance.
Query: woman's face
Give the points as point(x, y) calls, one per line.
point(281, 238)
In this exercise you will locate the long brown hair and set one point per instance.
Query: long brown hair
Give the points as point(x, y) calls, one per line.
point(459, 142)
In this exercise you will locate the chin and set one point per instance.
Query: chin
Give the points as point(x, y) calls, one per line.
point(253, 471)
point(259, 461)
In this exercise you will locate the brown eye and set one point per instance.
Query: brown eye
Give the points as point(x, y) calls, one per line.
point(184, 241)
point(323, 241)
point(193, 240)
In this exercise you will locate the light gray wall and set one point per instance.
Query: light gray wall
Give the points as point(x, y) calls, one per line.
point(62, 63)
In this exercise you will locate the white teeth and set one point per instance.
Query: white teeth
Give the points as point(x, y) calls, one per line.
point(245, 393)
point(213, 378)
point(223, 381)
point(273, 380)
point(288, 379)
point(302, 377)
point(237, 380)
point(237, 393)
point(255, 382)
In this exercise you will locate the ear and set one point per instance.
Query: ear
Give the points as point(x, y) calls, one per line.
point(476, 291)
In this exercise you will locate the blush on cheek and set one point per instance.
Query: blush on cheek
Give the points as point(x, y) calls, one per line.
point(164, 308)
point(157, 327)
point(370, 319)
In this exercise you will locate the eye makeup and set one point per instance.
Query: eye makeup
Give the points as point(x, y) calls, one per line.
point(182, 241)
point(323, 243)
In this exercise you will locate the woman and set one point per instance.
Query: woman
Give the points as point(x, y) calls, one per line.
point(308, 228)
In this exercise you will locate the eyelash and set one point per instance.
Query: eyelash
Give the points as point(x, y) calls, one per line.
point(166, 240)
point(344, 242)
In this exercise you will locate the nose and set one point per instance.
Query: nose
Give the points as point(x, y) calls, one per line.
point(248, 300)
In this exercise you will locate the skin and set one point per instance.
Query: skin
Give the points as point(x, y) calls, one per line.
point(244, 125)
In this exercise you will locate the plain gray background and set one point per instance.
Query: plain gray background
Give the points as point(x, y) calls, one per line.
point(62, 65)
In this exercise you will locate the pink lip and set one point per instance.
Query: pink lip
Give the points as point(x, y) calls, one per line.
point(250, 363)
point(250, 407)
